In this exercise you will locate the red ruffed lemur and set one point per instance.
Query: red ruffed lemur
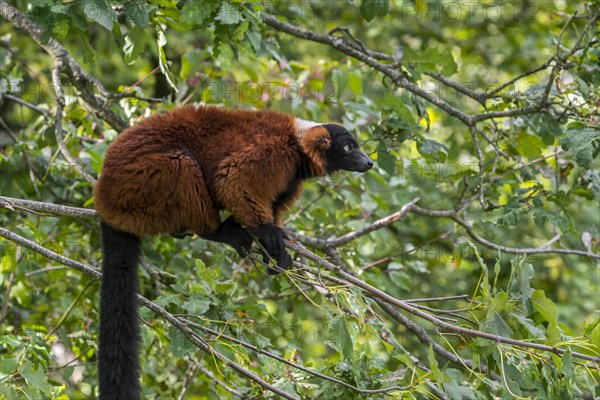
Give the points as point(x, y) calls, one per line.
point(175, 172)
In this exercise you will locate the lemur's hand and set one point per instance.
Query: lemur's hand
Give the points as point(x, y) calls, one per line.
point(272, 238)
point(233, 234)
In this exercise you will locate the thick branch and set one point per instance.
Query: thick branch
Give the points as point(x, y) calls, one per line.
point(373, 291)
point(390, 71)
point(50, 209)
point(59, 210)
point(397, 76)
point(78, 76)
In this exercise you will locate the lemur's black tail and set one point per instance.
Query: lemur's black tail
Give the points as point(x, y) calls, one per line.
point(118, 358)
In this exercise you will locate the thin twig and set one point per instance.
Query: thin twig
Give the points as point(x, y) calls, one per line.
point(198, 342)
point(216, 380)
point(373, 291)
point(287, 362)
point(453, 215)
point(187, 380)
point(436, 299)
point(27, 104)
point(58, 131)
point(28, 161)
point(390, 219)
point(83, 82)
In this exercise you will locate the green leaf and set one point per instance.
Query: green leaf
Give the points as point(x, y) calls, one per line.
point(594, 332)
point(545, 306)
point(60, 28)
point(225, 55)
point(510, 214)
point(432, 150)
point(240, 30)
point(361, 107)
point(135, 43)
point(386, 161)
point(485, 278)
point(513, 377)
point(458, 391)
point(35, 378)
point(395, 104)
point(136, 10)
point(583, 144)
point(541, 215)
point(438, 375)
point(161, 41)
point(343, 339)
point(229, 14)
point(340, 80)
point(89, 54)
point(200, 12)
point(524, 278)
point(197, 305)
point(568, 368)
point(545, 127)
point(527, 323)
point(8, 366)
point(553, 334)
point(496, 325)
point(431, 60)
point(180, 345)
point(99, 11)
point(370, 9)
point(529, 145)
point(355, 82)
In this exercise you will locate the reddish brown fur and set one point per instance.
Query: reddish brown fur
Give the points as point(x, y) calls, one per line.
point(178, 170)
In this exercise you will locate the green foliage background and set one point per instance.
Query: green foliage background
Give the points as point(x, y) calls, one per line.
point(536, 178)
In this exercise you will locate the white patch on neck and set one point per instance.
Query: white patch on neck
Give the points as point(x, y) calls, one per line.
point(303, 126)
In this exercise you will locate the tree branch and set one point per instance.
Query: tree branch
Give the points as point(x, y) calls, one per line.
point(50, 209)
point(58, 130)
point(397, 76)
point(390, 219)
point(373, 291)
point(11, 204)
point(199, 342)
point(451, 214)
point(388, 70)
point(77, 75)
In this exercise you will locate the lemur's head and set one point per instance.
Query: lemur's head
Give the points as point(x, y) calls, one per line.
point(344, 153)
point(331, 147)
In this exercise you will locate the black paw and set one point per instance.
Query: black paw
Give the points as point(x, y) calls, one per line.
point(272, 239)
point(241, 243)
point(283, 261)
point(233, 234)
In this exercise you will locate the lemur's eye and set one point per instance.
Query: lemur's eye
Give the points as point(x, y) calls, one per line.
point(347, 148)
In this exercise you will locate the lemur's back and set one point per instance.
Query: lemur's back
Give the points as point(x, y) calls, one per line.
point(159, 175)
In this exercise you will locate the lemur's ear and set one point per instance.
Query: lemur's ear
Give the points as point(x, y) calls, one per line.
point(316, 139)
point(315, 142)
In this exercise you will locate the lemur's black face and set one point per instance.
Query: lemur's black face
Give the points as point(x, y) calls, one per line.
point(344, 153)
